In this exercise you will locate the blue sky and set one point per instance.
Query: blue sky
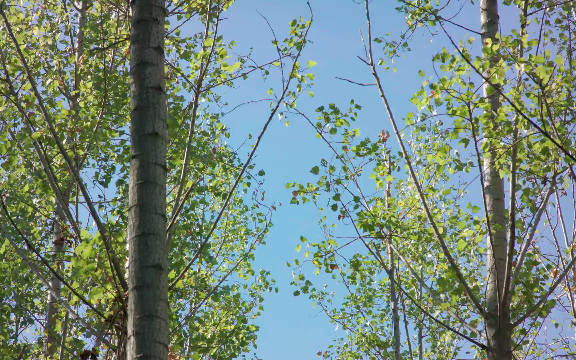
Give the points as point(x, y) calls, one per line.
point(290, 328)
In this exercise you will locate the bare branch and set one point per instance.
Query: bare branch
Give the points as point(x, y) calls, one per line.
point(354, 82)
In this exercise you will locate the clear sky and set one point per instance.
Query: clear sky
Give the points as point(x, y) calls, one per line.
point(289, 328)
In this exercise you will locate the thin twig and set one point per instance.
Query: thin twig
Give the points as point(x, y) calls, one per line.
point(354, 82)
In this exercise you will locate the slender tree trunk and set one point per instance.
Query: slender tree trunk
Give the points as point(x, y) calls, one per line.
point(394, 301)
point(498, 320)
point(50, 341)
point(64, 333)
point(58, 241)
point(392, 274)
point(570, 52)
point(148, 259)
point(421, 322)
point(406, 324)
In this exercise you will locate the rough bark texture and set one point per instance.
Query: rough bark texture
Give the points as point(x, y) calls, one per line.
point(148, 260)
point(497, 320)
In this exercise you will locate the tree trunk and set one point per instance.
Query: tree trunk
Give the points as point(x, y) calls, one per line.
point(148, 259)
point(420, 322)
point(498, 325)
point(50, 341)
point(394, 301)
point(392, 275)
point(58, 241)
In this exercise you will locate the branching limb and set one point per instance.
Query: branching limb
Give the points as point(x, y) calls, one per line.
point(33, 267)
point(528, 241)
point(196, 101)
point(421, 195)
point(67, 159)
point(246, 164)
point(382, 263)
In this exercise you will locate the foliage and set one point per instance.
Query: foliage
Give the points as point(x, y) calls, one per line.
point(215, 225)
point(447, 135)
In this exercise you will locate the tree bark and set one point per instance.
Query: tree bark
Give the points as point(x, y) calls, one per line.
point(392, 274)
point(499, 330)
point(50, 341)
point(148, 255)
point(420, 323)
point(394, 301)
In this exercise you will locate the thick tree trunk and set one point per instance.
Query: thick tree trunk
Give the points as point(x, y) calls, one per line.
point(498, 320)
point(148, 260)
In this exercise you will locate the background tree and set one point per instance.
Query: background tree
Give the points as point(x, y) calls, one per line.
point(518, 134)
point(65, 142)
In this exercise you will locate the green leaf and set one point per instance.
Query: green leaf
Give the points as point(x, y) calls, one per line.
point(3, 248)
point(315, 170)
point(88, 250)
point(208, 42)
point(96, 293)
point(559, 60)
point(461, 244)
point(311, 63)
point(299, 247)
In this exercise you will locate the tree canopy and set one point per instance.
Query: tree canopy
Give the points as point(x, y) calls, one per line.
point(450, 234)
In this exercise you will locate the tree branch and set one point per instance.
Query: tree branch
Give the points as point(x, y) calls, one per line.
point(421, 195)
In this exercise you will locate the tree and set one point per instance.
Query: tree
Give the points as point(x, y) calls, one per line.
point(519, 133)
point(148, 261)
point(65, 146)
point(147, 335)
